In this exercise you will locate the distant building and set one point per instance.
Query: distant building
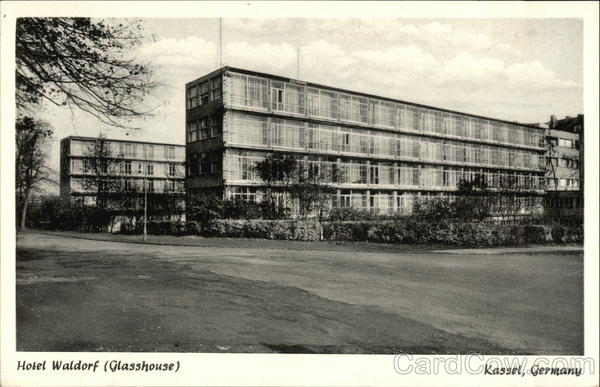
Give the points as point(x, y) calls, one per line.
point(131, 168)
point(564, 166)
point(390, 153)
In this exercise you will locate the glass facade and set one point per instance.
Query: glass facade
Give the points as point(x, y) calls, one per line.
point(388, 155)
point(248, 92)
point(161, 165)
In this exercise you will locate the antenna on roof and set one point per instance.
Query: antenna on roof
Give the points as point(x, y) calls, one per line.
point(298, 63)
point(220, 42)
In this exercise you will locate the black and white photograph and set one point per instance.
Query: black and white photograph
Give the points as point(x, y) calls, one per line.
point(403, 188)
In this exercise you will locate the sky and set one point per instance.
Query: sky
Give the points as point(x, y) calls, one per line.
point(514, 69)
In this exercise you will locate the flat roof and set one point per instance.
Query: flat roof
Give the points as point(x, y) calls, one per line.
point(85, 138)
point(286, 79)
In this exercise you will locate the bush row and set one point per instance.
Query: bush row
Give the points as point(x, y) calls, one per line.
point(265, 229)
point(402, 232)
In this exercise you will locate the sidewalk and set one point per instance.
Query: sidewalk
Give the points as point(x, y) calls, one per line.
point(244, 243)
point(247, 243)
point(515, 250)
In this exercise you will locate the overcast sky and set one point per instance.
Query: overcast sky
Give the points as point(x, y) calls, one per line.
point(514, 69)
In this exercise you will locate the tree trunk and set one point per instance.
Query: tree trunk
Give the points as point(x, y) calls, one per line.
point(24, 211)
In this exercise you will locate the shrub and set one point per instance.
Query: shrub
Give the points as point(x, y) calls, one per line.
point(345, 214)
point(306, 230)
point(558, 234)
point(567, 234)
point(537, 234)
point(193, 227)
point(443, 233)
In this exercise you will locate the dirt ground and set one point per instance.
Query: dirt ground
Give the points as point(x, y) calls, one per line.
point(84, 295)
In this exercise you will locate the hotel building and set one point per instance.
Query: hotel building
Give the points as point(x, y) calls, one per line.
point(564, 166)
point(133, 166)
point(390, 153)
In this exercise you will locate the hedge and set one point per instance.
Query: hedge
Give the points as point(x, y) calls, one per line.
point(388, 231)
point(264, 229)
point(163, 227)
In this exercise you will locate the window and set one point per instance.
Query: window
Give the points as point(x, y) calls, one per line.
point(129, 185)
point(565, 143)
point(150, 185)
point(215, 88)
point(126, 150)
point(345, 142)
point(127, 168)
point(170, 185)
point(192, 131)
point(244, 169)
point(204, 163)
point(571, 163)
point(313, 102)
point(150, 170)
point(204, 93)
point(87, 166)
point(374, 174)
point(172, 169)
point(193, 99)
point(215, 126)
point(203, 129)
point(169, 152)
point(149, 152)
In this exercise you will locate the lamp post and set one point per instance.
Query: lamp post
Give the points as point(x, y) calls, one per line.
point(144, 171)
point(145, 206)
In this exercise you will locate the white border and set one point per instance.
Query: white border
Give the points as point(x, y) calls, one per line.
point(268, 369)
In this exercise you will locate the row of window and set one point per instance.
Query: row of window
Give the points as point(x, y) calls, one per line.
point(204, 163)
point(146, 151)
point(201, 93)
point(176, 203)
point(128, 185)
point(260, 131)
point(258, 94)
point(204, 128)
point(563, 162)
point(242, 168)
point(552, 183)
point(376, 201)
point(564, 142)
point(128, 150)
point(90, 166)
point(551, 202)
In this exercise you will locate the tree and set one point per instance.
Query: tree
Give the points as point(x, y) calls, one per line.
point(476, 201)
point(82, 63)
point(103, 171)
point(313, 188)
point(30, 162)
point(277, 173)
point(473, 199)
point(309, 185)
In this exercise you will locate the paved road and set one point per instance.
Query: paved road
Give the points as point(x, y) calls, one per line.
point(293, 300)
